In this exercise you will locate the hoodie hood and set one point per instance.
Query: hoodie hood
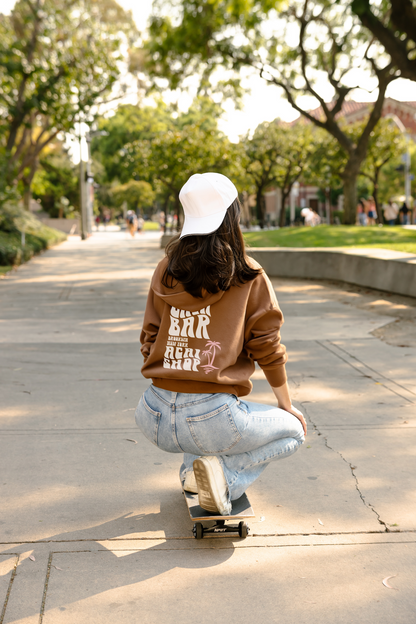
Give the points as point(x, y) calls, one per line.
point(177, 296)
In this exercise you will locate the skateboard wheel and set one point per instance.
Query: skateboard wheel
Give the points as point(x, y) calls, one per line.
point(198, 531)
point(243, 530)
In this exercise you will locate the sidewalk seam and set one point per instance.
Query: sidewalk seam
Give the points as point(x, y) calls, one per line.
point(45, 588)
point(9, 589)
point(357, 487)
point(336, 347)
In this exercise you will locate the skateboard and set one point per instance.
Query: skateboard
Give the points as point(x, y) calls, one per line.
point(241, 509)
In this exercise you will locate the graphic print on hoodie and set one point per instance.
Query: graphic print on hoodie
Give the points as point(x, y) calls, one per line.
point(185, 325)
point(209, 344)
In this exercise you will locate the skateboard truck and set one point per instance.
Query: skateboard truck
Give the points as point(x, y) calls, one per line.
point(220, 528)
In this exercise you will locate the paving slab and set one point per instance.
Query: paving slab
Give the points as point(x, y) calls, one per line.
point(101, 385)
point(398, 363)
point(322, 583)
point(384, 465)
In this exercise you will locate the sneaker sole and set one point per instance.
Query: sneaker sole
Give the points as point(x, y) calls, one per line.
point(206, 495)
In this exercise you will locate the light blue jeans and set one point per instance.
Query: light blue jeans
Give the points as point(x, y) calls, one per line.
point(244, 436)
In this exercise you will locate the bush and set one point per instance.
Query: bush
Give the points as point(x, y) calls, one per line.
point(14, 220)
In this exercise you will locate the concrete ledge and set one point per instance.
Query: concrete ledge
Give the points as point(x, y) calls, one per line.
point(382, 269)
point(69, 226)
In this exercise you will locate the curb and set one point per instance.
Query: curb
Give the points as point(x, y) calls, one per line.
point(381, 269)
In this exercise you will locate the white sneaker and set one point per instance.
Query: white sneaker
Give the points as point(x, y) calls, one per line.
point(212, 486)
point(189, 485)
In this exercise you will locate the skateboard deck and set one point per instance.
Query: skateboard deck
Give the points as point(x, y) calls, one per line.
point(241, 509)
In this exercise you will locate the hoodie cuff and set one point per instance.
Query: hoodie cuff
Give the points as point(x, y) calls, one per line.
point(276, 376)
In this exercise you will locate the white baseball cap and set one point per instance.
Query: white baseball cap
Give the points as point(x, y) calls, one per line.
point(205, 198)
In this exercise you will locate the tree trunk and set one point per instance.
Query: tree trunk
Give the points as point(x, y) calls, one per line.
point(350, 200)
point(177, 212)
point(350, 177)
point(27, 184)
point(27, 196)
point(375, 196)
point(282, 216)
point(260, 208)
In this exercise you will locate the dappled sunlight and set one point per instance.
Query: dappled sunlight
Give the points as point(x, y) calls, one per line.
point(295, 287)
point(7, 565)
point(127, 274)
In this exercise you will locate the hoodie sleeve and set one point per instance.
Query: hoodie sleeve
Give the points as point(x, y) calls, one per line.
point(262, 332)
point(151, 324)
point(152, 317)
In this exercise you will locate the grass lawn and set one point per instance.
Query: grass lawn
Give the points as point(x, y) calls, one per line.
point(5, 269)
point(387, 237)
point(151, 225)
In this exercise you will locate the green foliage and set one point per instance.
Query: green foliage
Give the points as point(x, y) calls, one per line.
point(56, 184)
point(277, 154)
point(191, 144)
point(336, 236)
point(393, 24)
point(391, 182)
point(13, 220)
point(130, 123)
point(386, 143)
point(57, 59)
point(195, 35)
point(327, 161)
point(137, 194)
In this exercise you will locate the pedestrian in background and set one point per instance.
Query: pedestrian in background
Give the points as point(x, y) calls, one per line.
point(361, 213)
point(404, 214)
point(390, 212)
point(371, 211)
point(140, 224)
point(131, 222)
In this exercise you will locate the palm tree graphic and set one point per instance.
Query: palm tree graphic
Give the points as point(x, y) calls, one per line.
point(211, 352)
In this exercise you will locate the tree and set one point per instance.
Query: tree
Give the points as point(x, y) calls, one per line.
point(56, 182)
point(262, 152)
point(276, 155)
point(129, 123)
point(293, 161)
point(192, 144)
point(394, 25)
point(386, 142)
point(136, 194)
point(57, 60)
point(329, 46)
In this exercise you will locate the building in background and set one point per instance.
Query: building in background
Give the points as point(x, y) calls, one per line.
point(352, 112)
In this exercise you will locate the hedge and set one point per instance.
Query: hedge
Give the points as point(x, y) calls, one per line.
point(38, 237)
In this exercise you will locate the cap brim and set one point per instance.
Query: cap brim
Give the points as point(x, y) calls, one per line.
point(202, 225)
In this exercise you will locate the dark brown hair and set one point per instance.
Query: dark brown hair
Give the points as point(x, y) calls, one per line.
point(210, 262)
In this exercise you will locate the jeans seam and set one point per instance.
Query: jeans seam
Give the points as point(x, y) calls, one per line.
point(173, 425)
point(159, 397)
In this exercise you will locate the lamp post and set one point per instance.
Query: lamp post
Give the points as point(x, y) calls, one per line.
point(407, 177)
point(82, 194)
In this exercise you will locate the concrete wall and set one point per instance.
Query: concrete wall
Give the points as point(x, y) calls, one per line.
point(375, 268)
point(69, 226)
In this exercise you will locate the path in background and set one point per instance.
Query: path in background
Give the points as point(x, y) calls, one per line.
point(93, 527)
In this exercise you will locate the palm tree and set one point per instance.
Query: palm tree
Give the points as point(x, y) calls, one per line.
point(211, 351)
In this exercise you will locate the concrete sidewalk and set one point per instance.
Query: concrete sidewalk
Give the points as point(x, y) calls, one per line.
point(93, 526)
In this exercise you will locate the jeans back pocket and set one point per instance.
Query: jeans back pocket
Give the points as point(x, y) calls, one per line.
point(215, 432)
point(147, 420)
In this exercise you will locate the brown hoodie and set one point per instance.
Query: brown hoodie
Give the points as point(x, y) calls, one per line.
point(209, 345)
